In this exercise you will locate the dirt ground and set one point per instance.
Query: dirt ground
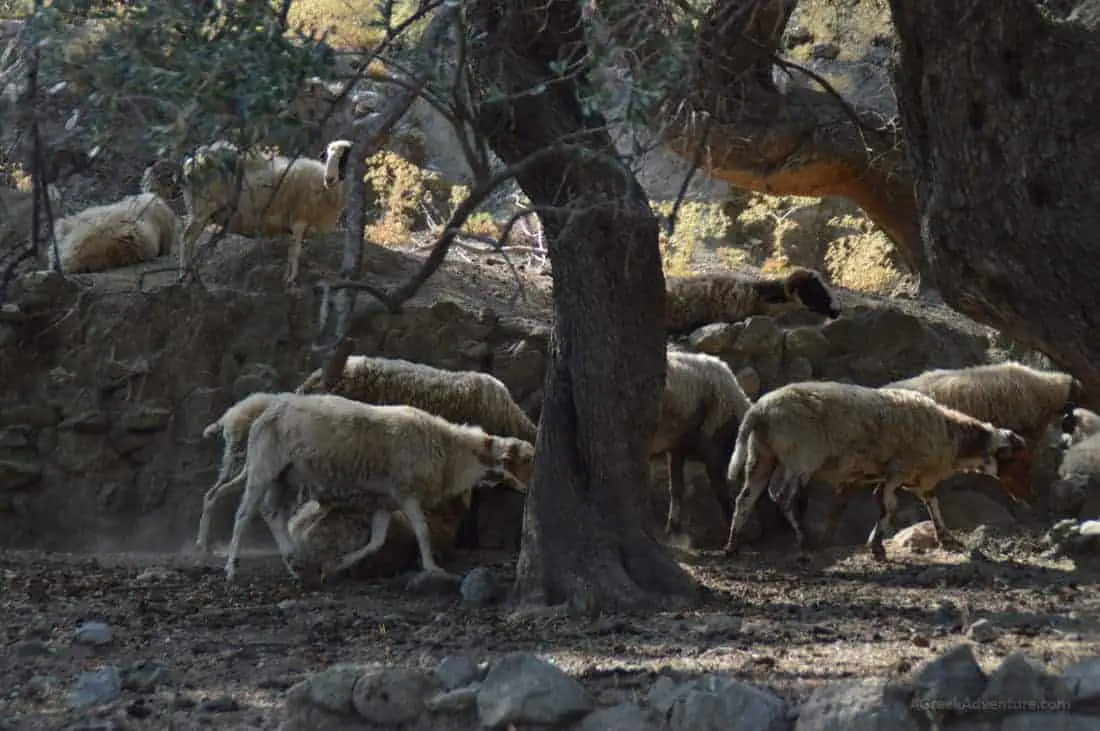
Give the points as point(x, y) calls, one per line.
point(767, 617)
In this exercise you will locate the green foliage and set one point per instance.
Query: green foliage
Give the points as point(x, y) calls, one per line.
point(186, 77)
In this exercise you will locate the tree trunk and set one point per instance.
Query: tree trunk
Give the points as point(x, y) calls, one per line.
point(1001, 114)
point(584, 542)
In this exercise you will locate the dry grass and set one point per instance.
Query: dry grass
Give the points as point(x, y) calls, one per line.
point(353, 24)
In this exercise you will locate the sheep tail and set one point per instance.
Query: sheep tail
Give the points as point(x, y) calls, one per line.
point(212, 429)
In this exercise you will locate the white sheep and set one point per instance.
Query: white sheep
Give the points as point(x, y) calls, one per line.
point(458, 396)
point(1010, 395)
point(348, 453)
point(134, 229)
point(841, 433)
point(1077, 426)
point(277, 195)
point(701, 407)
point(691, 302)
point(233, 425)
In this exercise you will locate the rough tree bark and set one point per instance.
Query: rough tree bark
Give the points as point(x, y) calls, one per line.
point(802, 142)
point(584, 543)
point(1001, 112)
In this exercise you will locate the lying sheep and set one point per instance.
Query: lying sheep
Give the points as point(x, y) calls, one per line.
point(1077, 426)
point(457, 396)
point(348, 452)
point(691, 302)
point(841, 433)
point(277, 195)
point(1077, 476)
point(1011, 395)
point(701, 408)
point(233, 425)
point(135, 229)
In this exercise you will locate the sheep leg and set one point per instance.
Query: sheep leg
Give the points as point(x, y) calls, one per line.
point(716, 475)
point(410, 506)
point(274, 511)
point(294, 252)
point(212, 497)
point(254, 493)
point(759, 475)
point(943, 534)
point(887, 501)
point(676, 459)
point(379, 527)
point(791, 488)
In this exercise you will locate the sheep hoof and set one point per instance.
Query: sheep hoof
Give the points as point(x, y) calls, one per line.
point(878, 551)
point(731, 548)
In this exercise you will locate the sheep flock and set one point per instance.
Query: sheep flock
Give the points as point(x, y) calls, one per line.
point(327, 469)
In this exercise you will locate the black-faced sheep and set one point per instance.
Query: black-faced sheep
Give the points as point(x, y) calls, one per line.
point(840, 433)
point(462, 397)
point(1010, 395)
point(701, 408)
point(1077, 426)
point(135, 229)
point(691, 302)
point(348, 452)
point(277, 195)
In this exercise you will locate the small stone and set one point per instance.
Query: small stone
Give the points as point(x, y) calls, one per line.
point(456, 671)
point(719, 625)
point(479, 587)
point(40, 686)
point(524, 689)
point(183, 702)
point(983, 631)
point(453, 701)
point(921, 641)
point(715, 339)
point(93, 633)
point(144, 676)
point(95, 687)
point(433, 583)
point(221, 704)
point(31, 648)
point(623, 717)
point(391, 696)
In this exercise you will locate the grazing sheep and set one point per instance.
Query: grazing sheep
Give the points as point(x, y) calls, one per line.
point(1077, 426)
point(701, 408)
point(692, 302)
point(842, 433)
point(1010, 395)
point(348, 452)
point(458, 396)
point(233, 425)
point(135, 229)
point(277, 195)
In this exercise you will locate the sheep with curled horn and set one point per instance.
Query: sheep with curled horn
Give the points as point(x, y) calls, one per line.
point(691, 302)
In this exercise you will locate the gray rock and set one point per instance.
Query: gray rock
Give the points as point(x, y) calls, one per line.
point(948, 682)
point(983, 631)
point(715, 339)
point(455, 671)
point(798, 370)
point(623, 717)
point(712, 701)
point(1047, 721)
point(93, 633)
point(392, 695)
point(95, 687)
point(762, 335)
point(663, 693)
point(40, 686)
point(522, 688)
point(1018, 678)
point(17, 473)
point(1083, 679)
point(31, 648)
point(718, 625)
point(219, 704)
point(144, 676)
point(749, 380)
point(453, 701)
point(436, 583)
point(805, 342)
point(864, 704)
point(330, 689)
point(479, 587)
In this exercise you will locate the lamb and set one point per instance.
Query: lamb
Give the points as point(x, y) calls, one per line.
point(134, 229)
point(348, 452)
point(277, 195)
point(1077, 426)
point(842, 433)
point(691, 302)
point(1010, 395)
point(458, 396)
point(233, 425)
point(702, 406)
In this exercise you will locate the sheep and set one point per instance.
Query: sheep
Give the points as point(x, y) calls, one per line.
point(843, 433)
point(277, 195)
point(1077, 426)
point(233, 425)
point(691, 302)
point(1010, 395)
point(348, 452)
point(134, 229)
point(701, 408)
point(458, 396)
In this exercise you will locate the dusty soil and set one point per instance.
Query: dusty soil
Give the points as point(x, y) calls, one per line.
point(233, 650)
